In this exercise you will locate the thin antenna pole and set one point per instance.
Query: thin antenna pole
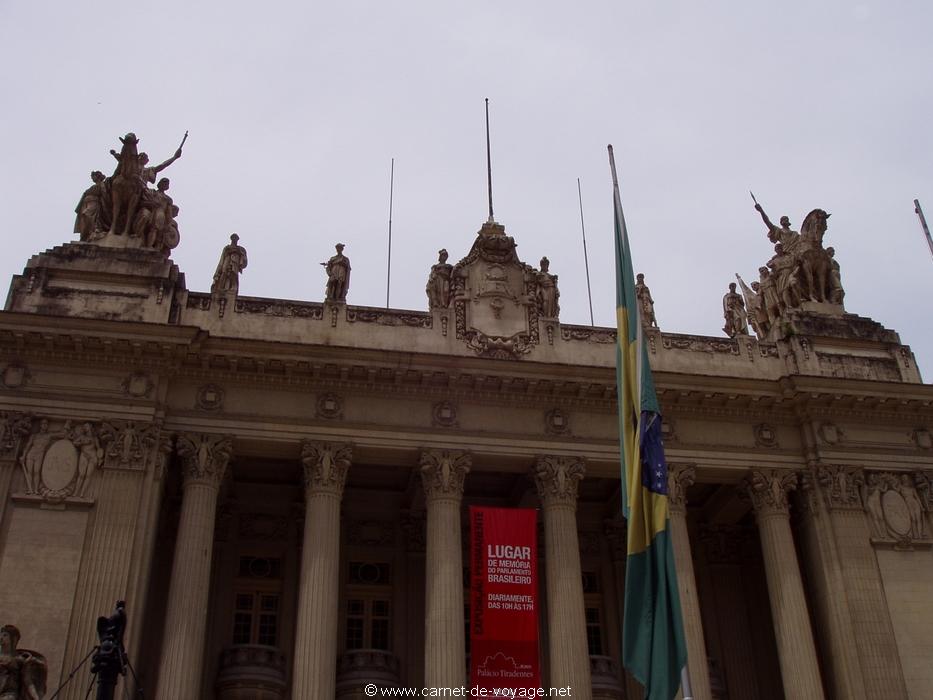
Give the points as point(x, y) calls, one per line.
point(389, 261)
point(923, 223)
point(586, 260)
point(488, 161)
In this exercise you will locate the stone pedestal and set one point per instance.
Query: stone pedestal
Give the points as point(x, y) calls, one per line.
point(442, 474)
point(204, 460)
point(315, 665)
point(800, 672)
point(557, 479)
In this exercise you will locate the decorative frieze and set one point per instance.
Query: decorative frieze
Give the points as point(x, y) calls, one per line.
point(385, 317)
point(326, 465)
point(263, 527)
point(204, 457)
point(558, 478)
point(210, 397)
point(329, 407)
point(767, 490)
point(556, 422)
point(895, 511)
point(443, 472)
point(444, 415)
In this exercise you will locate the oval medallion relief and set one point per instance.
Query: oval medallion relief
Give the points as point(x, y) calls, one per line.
point(59, 465)
point(896, 514)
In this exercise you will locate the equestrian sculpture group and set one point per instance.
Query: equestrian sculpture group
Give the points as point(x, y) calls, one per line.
point(123, 210)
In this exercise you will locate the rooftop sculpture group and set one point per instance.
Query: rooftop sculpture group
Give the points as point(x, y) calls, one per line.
point(802, 275)
point(122, 210)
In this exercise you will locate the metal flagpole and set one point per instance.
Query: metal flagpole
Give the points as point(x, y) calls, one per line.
point(586, 260)
point(685, 683)
point(488, 161)
point(389, 262)
point(923, 223)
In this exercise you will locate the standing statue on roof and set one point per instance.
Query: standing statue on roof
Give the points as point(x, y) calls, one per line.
point(782, 234)
point(645, 302)
point(733, 309)
point(338, 276)
point(547, 293)
point(232, 262)
point(438, 286)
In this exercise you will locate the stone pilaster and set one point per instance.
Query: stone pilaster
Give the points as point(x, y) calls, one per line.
point(442, 475)
point(822, 557)
point(204, 461)
point(315, 664)
point(131, 454)
point(557, 479)
point(767, 489)
point(680, 477)
point(14, 429)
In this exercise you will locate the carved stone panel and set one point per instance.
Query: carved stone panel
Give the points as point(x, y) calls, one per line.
point(444, 415)
point(59, 461)
point(329, 406)
point(895, 510)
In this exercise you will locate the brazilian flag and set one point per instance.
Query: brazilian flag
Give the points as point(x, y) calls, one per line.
point(653, 645)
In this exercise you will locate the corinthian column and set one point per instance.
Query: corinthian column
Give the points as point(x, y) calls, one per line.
point(315, 666)
point(442, 474)
point(204, 461)
point(800, 672)
point(557, 479)
point(680, 477)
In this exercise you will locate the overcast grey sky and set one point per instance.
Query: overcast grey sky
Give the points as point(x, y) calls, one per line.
point(295, 110)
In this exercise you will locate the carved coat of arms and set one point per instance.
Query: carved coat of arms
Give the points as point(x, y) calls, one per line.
point(494, 297)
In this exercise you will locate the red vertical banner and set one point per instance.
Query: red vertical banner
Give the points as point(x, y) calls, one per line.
point(503, 598)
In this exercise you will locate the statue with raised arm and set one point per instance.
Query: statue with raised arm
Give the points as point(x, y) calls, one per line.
point(232, 263)
point(338, 276)
point(779, 234)
point(128, 185)
point(22, 672)
point(438, 286)
point(733, 309)
point(645, 302)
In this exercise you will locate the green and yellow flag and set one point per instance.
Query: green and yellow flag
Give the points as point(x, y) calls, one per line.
point(653, 645)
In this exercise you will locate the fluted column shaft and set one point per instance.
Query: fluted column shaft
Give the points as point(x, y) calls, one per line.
point(800, 672)
point(442, 475)
point(315, 666)
point(680, 477)
point(557, 479)
point(204, 459)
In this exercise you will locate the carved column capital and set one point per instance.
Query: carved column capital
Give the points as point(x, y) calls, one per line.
point(204, 457)
point(924, 482)
point(767, 490)
point(557, 479)
point(325, 466)
point(443, 473)
point(617, 534)
point(679, 478)
point(841, 486)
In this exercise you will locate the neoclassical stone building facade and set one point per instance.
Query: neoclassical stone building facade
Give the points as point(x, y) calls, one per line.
point(278, 489)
